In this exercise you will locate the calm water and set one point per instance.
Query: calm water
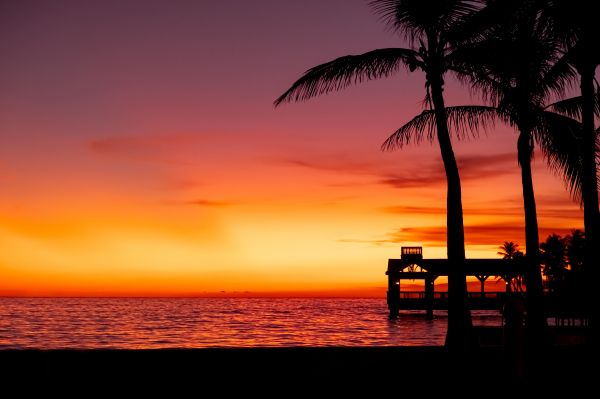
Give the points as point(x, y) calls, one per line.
point(48, 323)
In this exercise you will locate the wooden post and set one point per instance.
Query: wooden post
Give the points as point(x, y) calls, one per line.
point(429, 297)
point(508, 280)
point(482, 278)
point(393, 295)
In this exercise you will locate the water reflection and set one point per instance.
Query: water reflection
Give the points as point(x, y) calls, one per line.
point(48, 323)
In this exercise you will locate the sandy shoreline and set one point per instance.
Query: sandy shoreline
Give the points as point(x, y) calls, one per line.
point(387, 369)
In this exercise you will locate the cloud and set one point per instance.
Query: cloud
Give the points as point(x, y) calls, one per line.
point(420, 174)
point(553, 201)
point(556, 212)
point(478, 162)
point(202, 202)
point(480, 234)
point(471, 167)
point(334, 163)
point(414, 210)
point(208, 203)
point(146, 148)
point(183, 184)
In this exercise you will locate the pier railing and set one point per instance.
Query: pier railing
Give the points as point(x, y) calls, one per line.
point(470, 295)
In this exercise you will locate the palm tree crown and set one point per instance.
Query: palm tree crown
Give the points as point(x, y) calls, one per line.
point(517, 66)
point(509, 250)
point(433, 29)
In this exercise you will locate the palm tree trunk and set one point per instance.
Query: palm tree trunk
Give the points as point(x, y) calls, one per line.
point(460, 327)
point(536, 318)
point(589, 185)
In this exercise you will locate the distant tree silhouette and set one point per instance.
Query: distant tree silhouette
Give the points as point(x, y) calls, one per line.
point(576, 251)
point(509, 250)
point(432, 28)
point(554, 260)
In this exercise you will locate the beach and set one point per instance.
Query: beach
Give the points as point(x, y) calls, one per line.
point(302, 345)
point(429, 370)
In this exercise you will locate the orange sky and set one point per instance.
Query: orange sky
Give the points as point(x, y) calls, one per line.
point(147, 159)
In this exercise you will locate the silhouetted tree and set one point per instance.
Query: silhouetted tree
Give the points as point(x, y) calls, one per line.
point(576, 22)
point(518, 66)
point(554, 260)
point(432, 29)
point(509, 250)
point(518, 69)
point(576, 250)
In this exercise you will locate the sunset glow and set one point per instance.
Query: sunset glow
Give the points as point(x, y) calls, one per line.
point(136, 162)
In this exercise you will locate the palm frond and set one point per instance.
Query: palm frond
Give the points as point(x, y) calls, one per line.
point(345, 71)
point(416, 130)
point(560, 76)
point(572, 107)
point(480, 67)
point(476, 25)
point(463, 122)
point(598, 153)
point(559, 138)
point(412, 18)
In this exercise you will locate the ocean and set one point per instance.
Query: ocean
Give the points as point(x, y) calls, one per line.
point(152, 323)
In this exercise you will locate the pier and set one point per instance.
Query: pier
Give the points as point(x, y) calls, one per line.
point(412, 266)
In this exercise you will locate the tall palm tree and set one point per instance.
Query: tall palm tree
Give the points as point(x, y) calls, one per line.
point(576, 22)
point(518, 69)
point(430, 28)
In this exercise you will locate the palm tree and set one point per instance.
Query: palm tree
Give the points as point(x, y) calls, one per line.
point(554, 260)
point(576, 22)
point(517, 68)
point(508, 250)
point(520, 70)
point(576, 251)
point(430, 27)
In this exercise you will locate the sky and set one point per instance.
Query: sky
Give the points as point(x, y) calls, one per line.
point(140, 154)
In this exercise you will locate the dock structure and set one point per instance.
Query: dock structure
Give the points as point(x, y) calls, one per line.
point(412, 266)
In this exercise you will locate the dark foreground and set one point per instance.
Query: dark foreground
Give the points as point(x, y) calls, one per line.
point(310, 372)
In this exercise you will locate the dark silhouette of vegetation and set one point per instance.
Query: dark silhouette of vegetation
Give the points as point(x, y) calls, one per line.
point(562, 262)
point(567, 276)
point(564, 269)
point(521, 56)
point(517, 66)
point(576, 251)
point(433, 29)
point(509, 250)
point(554, 260)
point(577, 24)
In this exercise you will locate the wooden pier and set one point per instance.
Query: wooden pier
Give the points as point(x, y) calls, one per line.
point(412, 266)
